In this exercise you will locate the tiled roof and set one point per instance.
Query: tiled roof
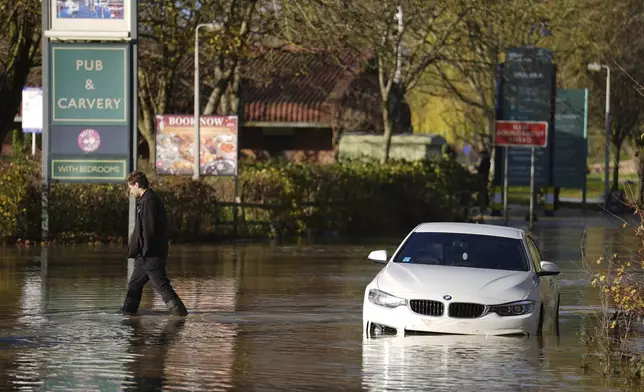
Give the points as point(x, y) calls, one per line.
point(296, 86)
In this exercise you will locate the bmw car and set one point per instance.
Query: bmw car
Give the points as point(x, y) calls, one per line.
point(462, 278)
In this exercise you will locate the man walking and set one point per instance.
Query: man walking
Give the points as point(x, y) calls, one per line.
point(149, 248)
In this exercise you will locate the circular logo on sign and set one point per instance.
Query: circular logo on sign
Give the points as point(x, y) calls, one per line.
point(89, 140)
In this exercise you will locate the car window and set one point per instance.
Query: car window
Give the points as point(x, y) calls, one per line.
point(464, 250)
point(535, 255)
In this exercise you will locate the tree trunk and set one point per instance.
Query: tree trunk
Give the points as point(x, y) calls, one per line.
point(639, 167)
point(147, 115)
point(618, 149)
point(615, 176)
point(387, 124)
point(23, 38)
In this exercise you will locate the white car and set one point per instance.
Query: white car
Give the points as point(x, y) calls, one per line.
point(462, 278)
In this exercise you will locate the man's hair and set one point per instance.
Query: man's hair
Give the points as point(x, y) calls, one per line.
point(138, 177)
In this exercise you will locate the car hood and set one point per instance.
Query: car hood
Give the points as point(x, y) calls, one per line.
point(421, 281)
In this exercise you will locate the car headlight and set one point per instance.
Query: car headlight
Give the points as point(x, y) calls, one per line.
point(385, 299)
point(513, 308)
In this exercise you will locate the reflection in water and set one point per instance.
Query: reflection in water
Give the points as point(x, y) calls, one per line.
point(460, 363)
point(148, 349)
point(265, 317)
point(448, 362)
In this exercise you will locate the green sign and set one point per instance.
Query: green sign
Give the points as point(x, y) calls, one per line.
point(90, 84)
point(88, 170)
point(527, 93)
point(571, 138)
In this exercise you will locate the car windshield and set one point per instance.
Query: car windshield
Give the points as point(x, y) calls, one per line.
point(464, 250)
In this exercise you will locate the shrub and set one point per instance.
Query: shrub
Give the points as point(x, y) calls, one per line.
point(611, 335)
point(362, 198)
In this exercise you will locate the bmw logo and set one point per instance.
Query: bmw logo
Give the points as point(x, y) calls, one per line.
point(447, 297)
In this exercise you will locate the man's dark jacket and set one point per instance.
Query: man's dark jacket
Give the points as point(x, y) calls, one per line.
point(150, 236)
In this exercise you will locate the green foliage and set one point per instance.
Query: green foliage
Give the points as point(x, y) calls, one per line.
point(360, 198)
point(19, 193)
point(294, 199)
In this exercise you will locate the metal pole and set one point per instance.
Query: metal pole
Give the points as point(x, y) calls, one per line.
point(505, 185)
point(532, 158)
point(134, 121)
point(45, 126)
point(607, 141)
point(197, 165)
point(33, 143)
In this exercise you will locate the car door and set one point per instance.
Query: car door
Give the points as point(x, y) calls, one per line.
point(545, 282)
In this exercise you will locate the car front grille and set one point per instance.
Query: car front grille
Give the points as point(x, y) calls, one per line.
point(427, 307)
point(465, 310)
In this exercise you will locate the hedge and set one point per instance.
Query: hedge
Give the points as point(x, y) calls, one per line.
point(351, 199)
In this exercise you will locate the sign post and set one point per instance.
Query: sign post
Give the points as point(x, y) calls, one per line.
point(525, 93)
point(31, 113)
point(90, 112)
point(532, 134)
point(218, 152)
point(571, 140)
point(89, 79)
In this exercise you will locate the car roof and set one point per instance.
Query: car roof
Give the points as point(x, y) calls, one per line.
point(470, 228)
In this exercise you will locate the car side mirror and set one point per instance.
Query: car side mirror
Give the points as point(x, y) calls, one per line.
point(548, 269)
point(378, 256)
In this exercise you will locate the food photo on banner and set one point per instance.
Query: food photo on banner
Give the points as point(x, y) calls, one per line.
point(218, 145)
point(94, 15)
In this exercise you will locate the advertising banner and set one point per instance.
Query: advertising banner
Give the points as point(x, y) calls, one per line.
point(90, 15)
point(218, 144)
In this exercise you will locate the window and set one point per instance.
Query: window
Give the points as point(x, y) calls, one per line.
point(534, 254)
point(464, 250)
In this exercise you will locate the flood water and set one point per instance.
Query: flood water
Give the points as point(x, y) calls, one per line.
point(268, 317)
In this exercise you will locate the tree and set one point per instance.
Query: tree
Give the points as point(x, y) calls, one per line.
point(406, 38)
point(609, 33)
point(241, 23)
point(20, 29)
point(166, 33)
point(166, 74)
point(469, 71)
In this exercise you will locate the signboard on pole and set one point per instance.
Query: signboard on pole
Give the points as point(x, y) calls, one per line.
point(90, 83)
point(571, 139)
point(87, 16)
point(90, 112)
point(31, 110)
point(218, 143)
point(527, 95)
point(521, 134)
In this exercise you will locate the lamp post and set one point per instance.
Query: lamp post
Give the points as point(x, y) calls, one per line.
point(596, 67)
point(197, 163)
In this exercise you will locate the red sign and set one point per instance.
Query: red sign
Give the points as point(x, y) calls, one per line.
point(521, 134)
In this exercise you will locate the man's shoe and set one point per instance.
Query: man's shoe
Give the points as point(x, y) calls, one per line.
point(177, 308)
point(130, 307)
point(126, 313)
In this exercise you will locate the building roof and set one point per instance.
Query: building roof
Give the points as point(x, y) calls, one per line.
point(297, 86)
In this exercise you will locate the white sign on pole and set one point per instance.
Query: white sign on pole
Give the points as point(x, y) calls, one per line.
point(32, 108)
point(78, 17)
